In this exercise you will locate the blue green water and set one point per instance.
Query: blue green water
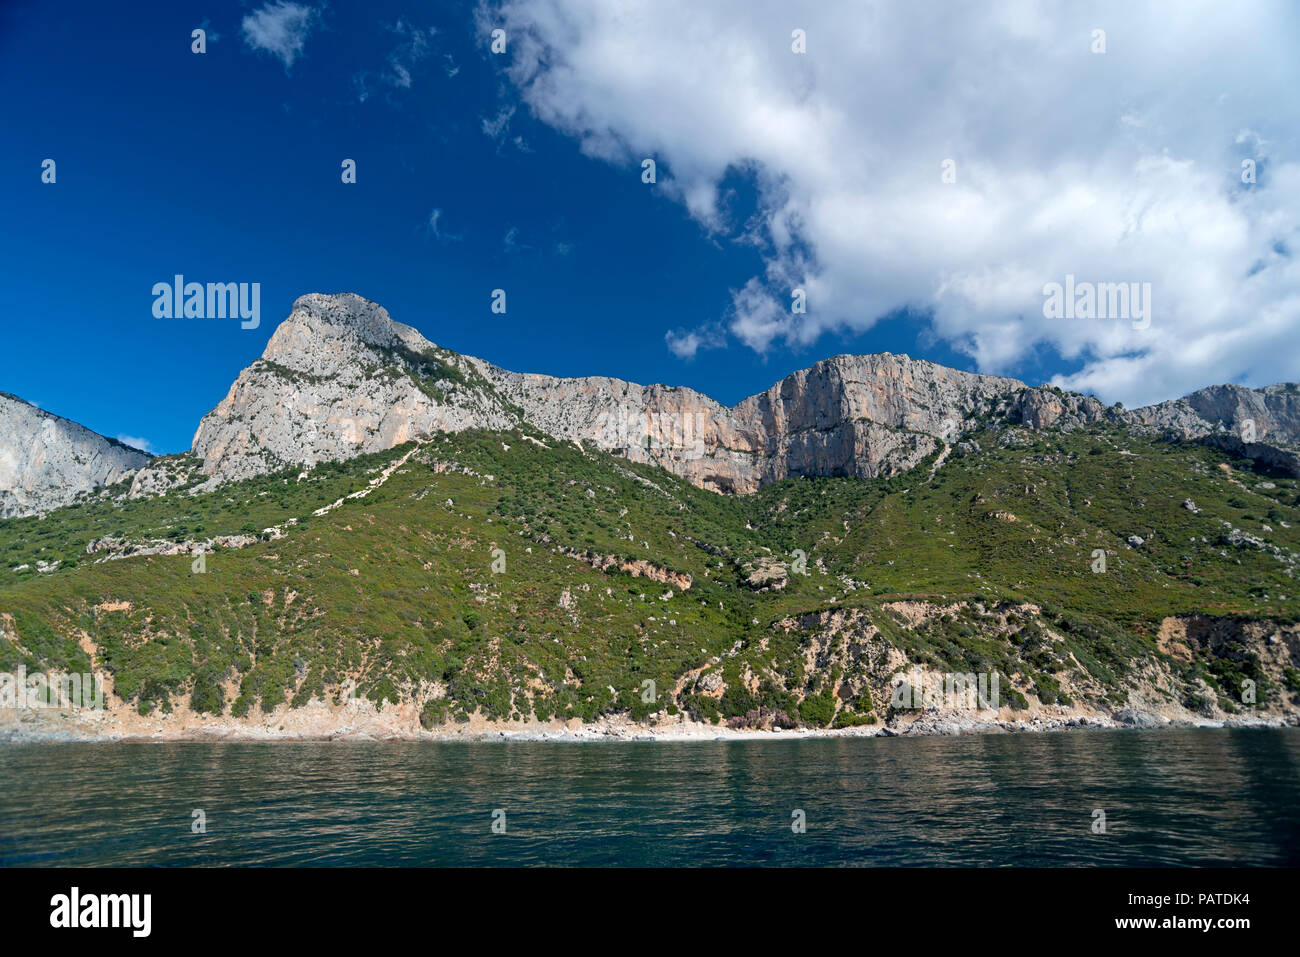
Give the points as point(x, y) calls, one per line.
point(1181, 797)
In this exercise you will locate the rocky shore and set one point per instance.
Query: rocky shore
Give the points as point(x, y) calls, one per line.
point(359, 720)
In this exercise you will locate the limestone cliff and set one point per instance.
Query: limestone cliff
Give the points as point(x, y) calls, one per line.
point(337, 379)
point(46, 460)
point(340, 378)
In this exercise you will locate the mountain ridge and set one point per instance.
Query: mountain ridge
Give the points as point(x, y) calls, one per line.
point(858, 415)
point(339, 377)
point(425, 544)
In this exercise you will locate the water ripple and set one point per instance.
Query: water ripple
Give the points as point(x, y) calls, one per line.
point(1181, 797)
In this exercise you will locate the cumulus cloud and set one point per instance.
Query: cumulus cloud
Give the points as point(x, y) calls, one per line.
point(280, 29)
point(1122, 166)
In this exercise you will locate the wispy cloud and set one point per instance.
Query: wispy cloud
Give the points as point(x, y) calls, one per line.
point(415, 46)
point(280, 29)
point(499, 125)
point(498, 128)
point(685, 344)
point(435, 229)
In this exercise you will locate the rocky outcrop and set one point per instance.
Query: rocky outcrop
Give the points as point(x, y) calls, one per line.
point(1269, 415)
point(637, 568)
point(1260, 424)
point(859, 416)
point(47, 461)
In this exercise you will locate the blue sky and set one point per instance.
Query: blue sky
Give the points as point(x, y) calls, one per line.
point(522, 171)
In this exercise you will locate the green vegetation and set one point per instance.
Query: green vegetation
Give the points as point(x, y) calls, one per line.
point(393, 596)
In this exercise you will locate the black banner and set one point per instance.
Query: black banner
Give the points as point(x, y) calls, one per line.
point(331, 906)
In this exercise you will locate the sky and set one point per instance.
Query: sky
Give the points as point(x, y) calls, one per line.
point(829, 177)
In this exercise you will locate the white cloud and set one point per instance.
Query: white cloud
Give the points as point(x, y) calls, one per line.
point(144, 445)
point(497, 126)
point(280, 29)
point(1115, 167)
point(415, 45)
point(435, 228)
point(685, 344)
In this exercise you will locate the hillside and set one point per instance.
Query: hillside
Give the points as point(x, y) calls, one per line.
point(401, 539)
point(617, 573)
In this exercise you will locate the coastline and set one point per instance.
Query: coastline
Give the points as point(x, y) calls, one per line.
point(361, 721)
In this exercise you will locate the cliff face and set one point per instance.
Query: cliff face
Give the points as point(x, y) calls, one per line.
point(46, 461)
point(340, 378)
point(849, 415)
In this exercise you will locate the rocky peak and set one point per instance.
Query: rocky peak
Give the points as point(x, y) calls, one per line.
point(326, 334)
point(339, 378)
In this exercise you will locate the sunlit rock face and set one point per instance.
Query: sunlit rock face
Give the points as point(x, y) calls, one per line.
point(340, 377)
point(46, 461)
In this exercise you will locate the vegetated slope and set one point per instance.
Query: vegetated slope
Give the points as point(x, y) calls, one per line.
point(627, 590)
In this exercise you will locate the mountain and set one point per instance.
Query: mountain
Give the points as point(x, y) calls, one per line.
point(47, 461)
point(339, 377)
point(400, 540)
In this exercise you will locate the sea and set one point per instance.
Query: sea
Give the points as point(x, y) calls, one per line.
point(1179, 797)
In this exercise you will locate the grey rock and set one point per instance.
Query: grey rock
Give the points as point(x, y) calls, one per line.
point(1132, 718)
point(1273, 412)
point(337, 379)
point(46, 461)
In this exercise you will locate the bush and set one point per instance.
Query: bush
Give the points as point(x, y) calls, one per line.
point(818, 709)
